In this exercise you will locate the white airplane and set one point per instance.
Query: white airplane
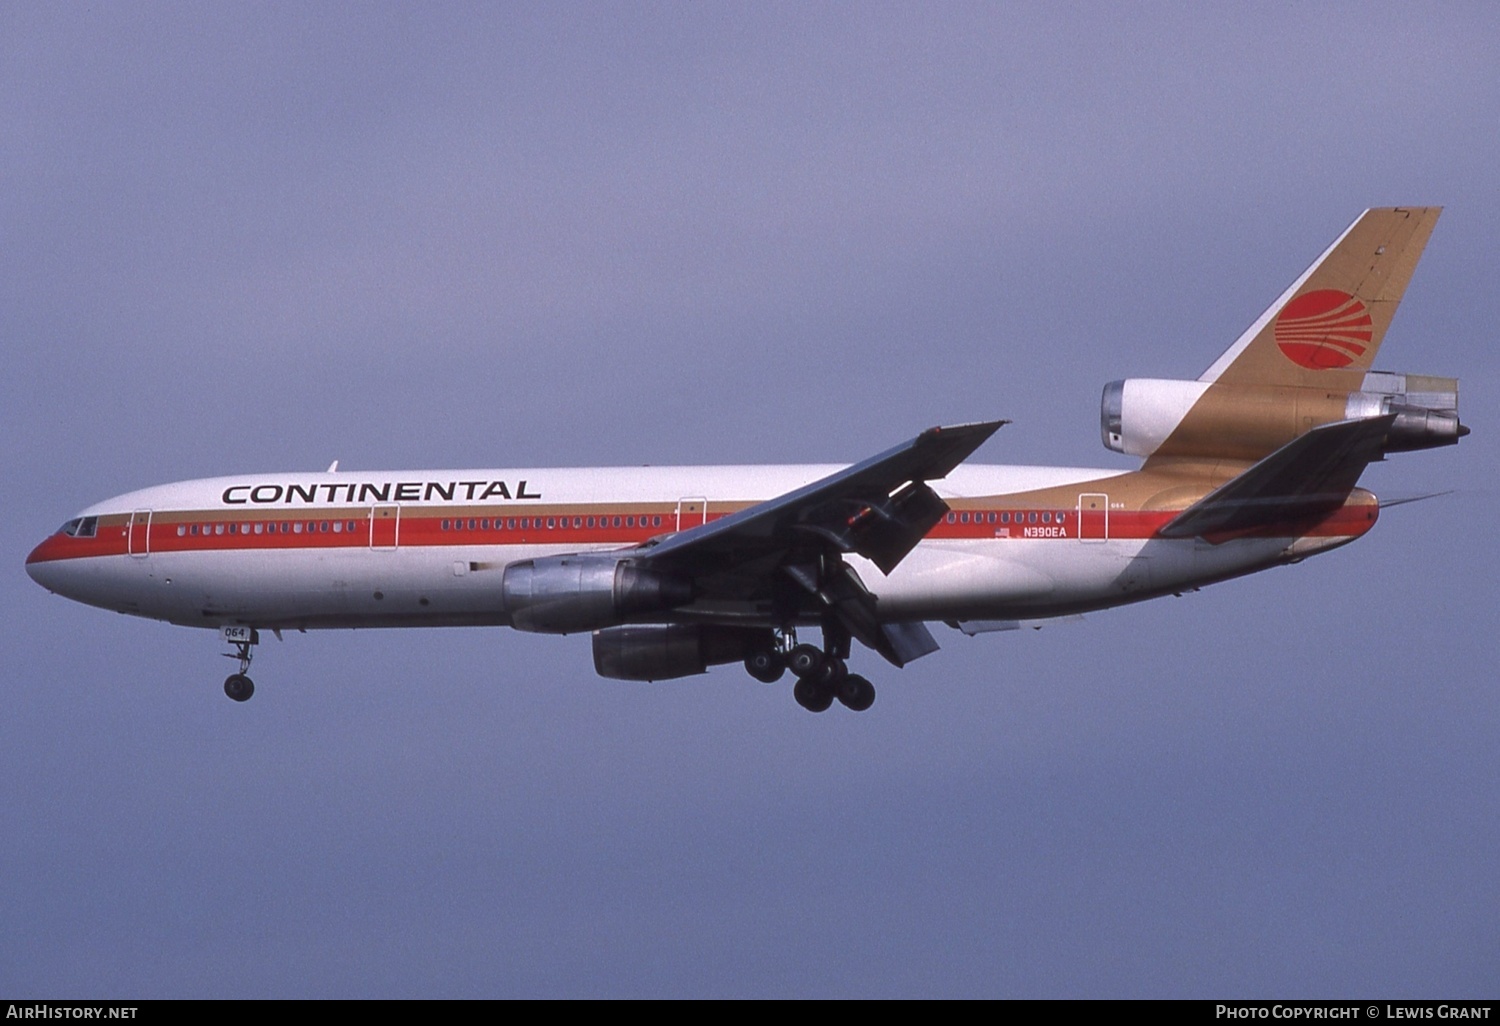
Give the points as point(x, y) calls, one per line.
point(675, 569)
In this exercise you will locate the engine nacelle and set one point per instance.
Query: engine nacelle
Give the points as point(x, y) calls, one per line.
point(1138, 415)
point(1426, 409)
point(585, 591)
point(663, 652)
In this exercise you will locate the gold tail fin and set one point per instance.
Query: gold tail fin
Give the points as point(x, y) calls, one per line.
point(1325, 329)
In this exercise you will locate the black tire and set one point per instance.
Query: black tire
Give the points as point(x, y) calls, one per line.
point(765, 665)
point(239, 687)
point(811, 696)
point(807, 662)
point(857, 693)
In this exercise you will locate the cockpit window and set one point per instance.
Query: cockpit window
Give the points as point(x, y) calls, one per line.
point(80, 527)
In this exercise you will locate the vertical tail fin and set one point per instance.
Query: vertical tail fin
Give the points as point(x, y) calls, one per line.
point(1304, 362)
point(1325, 329)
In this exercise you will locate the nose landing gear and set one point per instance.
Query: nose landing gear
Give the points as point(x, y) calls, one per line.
point(238, 686)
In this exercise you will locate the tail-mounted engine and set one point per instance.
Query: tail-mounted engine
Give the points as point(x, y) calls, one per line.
point(1144, 416)
point(584, 592)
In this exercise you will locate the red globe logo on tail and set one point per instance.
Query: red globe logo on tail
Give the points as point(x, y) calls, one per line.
point(1324, 329)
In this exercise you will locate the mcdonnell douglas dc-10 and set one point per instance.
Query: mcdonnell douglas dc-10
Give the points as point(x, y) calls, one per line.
point(674, 569)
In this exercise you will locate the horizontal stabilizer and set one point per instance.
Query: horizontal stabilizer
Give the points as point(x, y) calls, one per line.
point(1305, 479)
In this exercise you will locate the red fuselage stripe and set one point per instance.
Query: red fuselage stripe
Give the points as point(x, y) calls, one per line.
point(428, 529)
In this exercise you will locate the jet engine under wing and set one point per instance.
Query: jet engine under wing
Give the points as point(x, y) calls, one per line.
point(879, 508)
point(1307, 478)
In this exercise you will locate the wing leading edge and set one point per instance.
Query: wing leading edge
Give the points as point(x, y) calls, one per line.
point(879, 508)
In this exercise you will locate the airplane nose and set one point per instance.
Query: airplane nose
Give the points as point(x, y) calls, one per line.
point(49, 566)
point(41, 569)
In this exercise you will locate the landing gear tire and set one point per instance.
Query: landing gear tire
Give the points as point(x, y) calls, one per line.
point(856, 692)
point(807, 662)
point(239, 687)
point(765, 665)
point(813, 697)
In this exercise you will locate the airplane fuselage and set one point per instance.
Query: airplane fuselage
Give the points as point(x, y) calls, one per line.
point(304, 551)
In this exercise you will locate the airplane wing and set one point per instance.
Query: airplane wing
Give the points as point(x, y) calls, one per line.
point(787, 551)
point(1307, 478)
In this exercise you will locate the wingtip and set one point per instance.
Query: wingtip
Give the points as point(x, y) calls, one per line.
point(974, 427)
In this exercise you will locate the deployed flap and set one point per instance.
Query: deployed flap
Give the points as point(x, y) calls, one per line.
point(904, 642)
point(1304, 479)
point(879, 508)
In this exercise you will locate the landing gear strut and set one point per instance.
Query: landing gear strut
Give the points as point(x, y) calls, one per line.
point(238, 686)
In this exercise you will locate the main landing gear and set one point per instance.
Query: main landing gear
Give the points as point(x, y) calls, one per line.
point(237, 685)
point(822, 676)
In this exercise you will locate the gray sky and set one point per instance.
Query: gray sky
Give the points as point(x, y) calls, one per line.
point(264, 237)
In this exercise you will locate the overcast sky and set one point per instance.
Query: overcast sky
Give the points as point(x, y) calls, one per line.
point(261, 237)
